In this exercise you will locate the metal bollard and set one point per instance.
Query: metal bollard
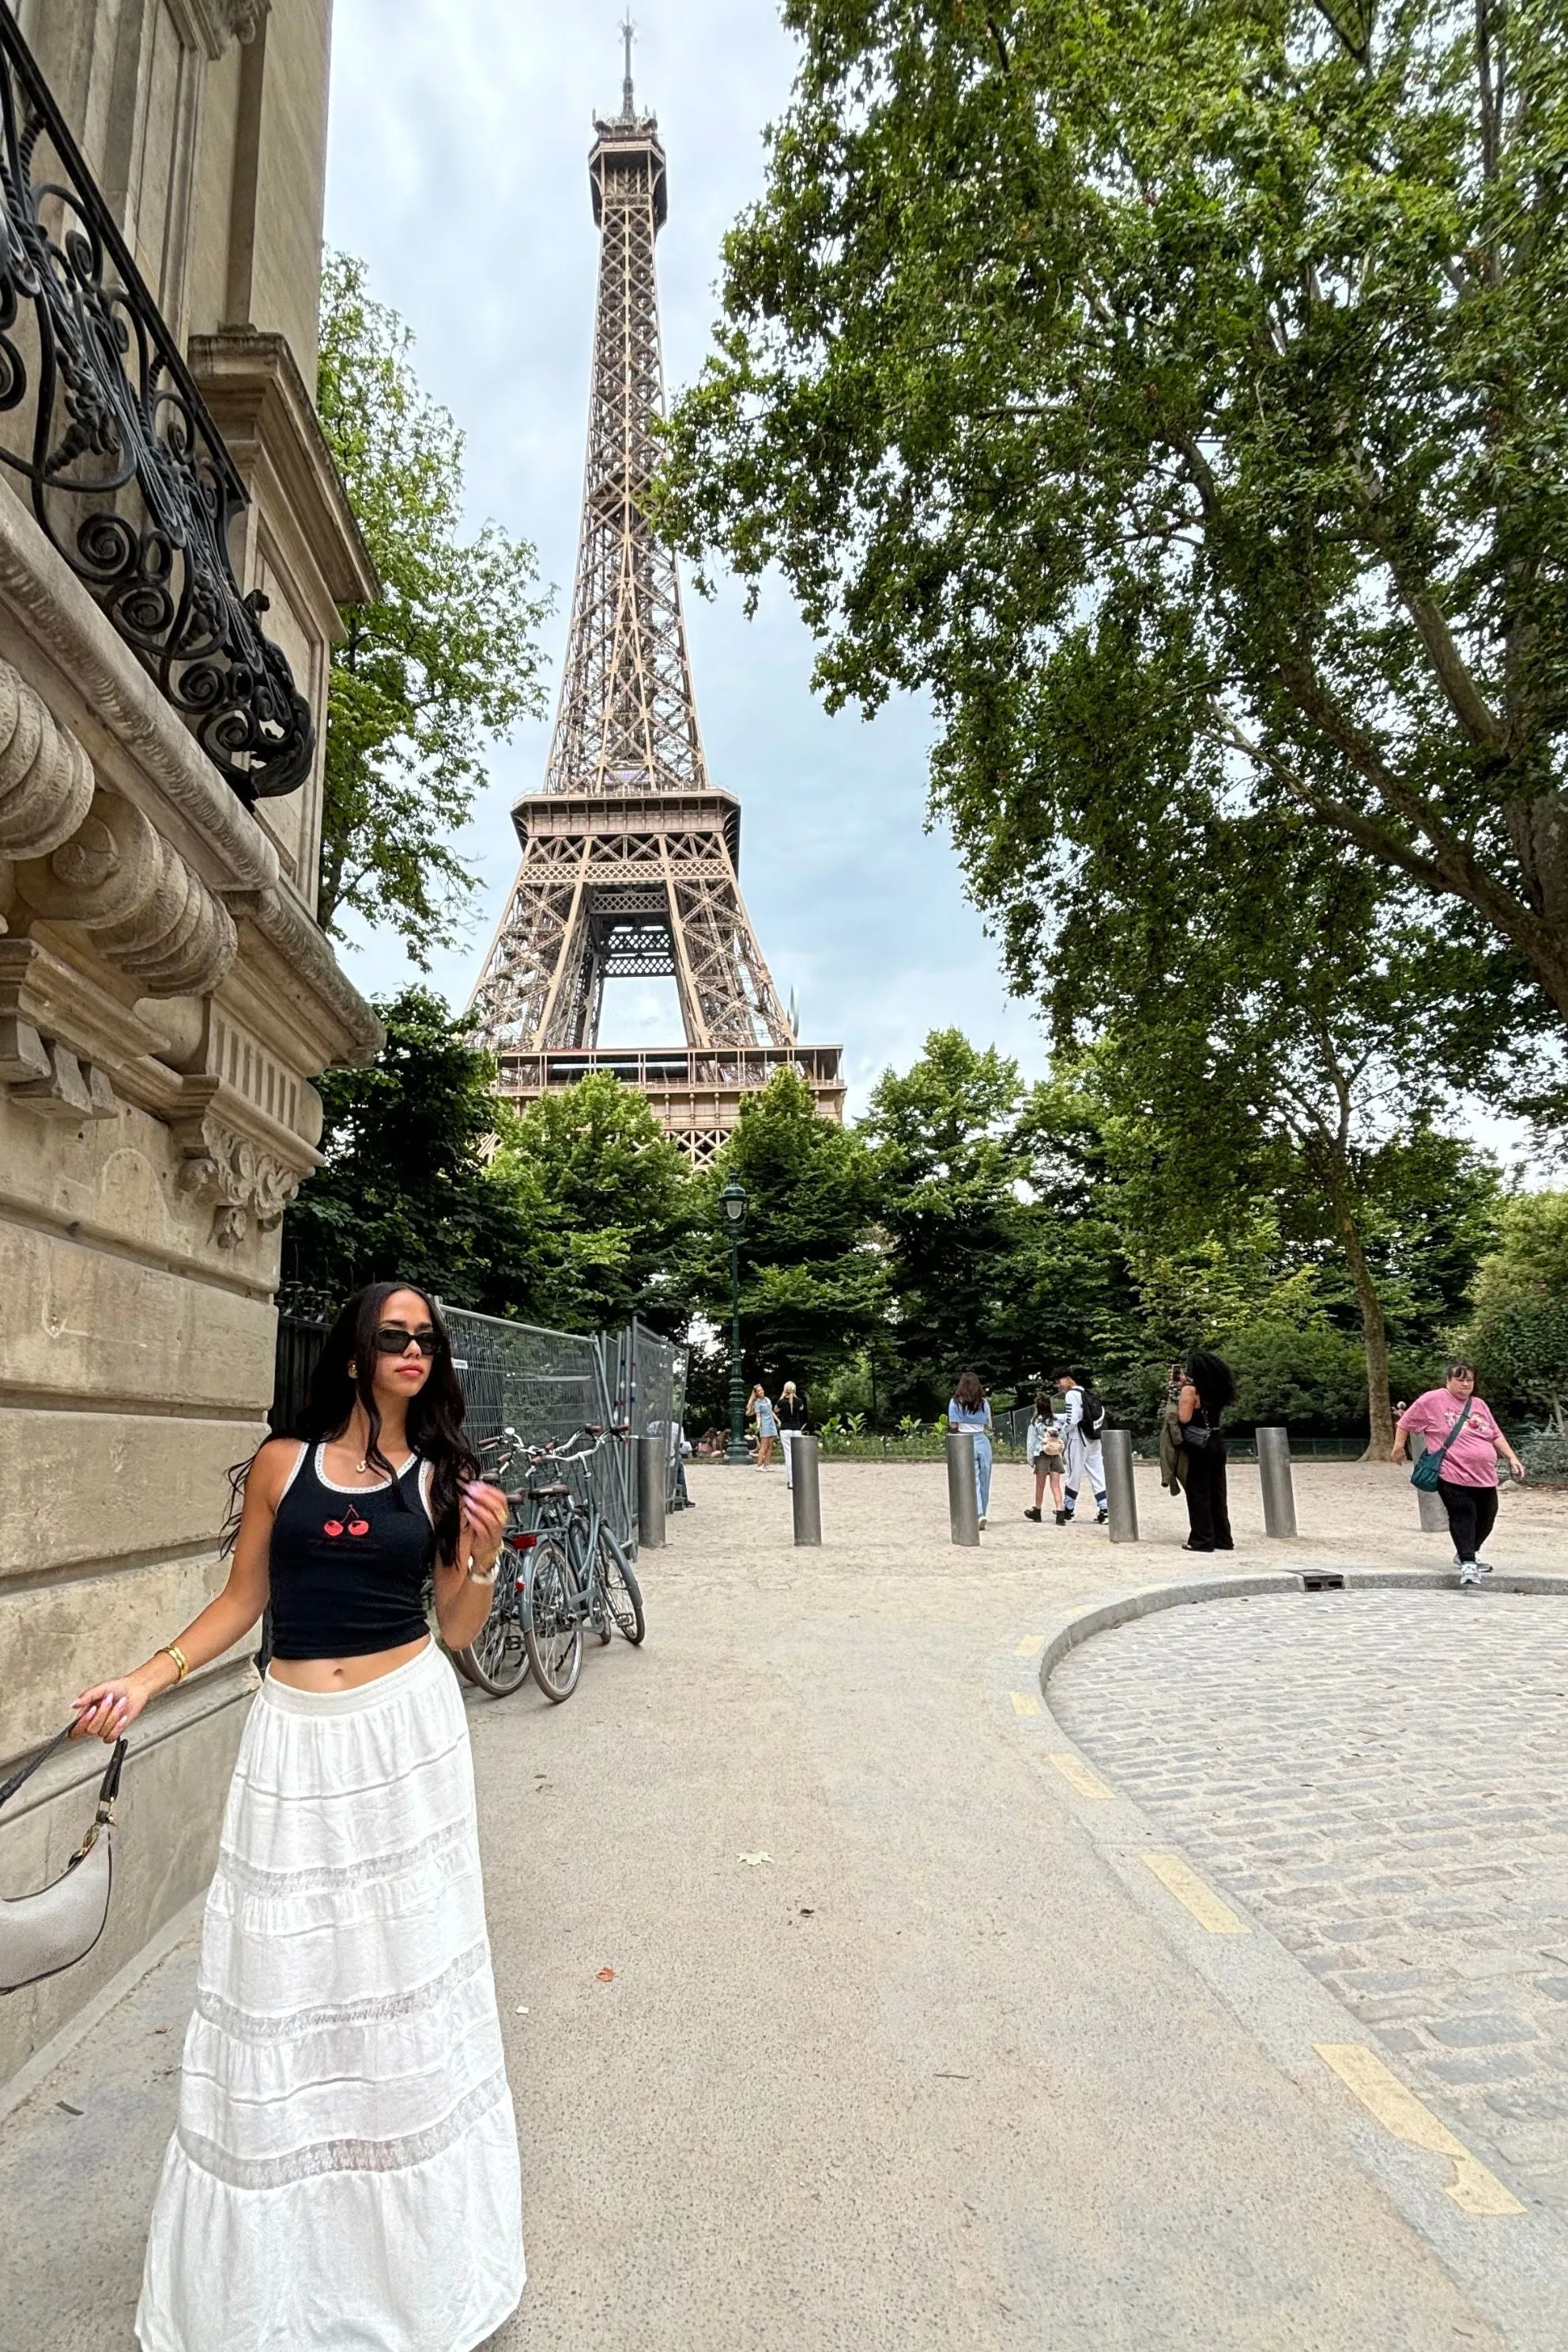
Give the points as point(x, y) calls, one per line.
point(1428, 1503)
point(1274, 1473)
point(806, 1493)
point(962, 1503)
point(651, 1476)
point(1121, 1495)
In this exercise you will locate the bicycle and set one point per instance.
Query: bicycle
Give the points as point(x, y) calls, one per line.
point(577, 1572)
point(497, 1659)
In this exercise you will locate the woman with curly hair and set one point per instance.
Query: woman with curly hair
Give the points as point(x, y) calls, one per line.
point(344, 2169)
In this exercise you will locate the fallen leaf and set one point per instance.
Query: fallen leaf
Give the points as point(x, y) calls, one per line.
point(806, 1913)
point(160, 2029)
point(752, 1859)
point(520, 2010)
point(606, 1976)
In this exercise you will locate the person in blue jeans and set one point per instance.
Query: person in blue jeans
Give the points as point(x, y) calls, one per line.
point(968, 1409)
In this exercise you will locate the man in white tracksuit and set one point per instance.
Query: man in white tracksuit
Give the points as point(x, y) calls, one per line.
point(1084, 1452)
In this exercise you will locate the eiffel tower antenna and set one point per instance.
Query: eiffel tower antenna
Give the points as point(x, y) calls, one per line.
point(630, 855)
point(628, 108)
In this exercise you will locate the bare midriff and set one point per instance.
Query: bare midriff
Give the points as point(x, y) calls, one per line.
point(344, 1674)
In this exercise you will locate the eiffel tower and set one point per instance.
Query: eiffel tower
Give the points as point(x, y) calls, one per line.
point(630, 855)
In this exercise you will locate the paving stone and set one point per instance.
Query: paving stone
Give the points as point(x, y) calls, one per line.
point(1386, 1781)
point(1476, 2033)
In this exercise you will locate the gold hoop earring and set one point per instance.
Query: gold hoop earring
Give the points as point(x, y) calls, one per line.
point(353, 1371)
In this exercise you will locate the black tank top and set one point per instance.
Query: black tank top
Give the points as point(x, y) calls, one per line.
point(349, 1566)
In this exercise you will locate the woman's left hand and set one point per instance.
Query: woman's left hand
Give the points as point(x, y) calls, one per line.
point(484, 1525)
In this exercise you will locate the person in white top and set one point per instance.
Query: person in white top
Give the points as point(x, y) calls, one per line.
point(1086, 1457)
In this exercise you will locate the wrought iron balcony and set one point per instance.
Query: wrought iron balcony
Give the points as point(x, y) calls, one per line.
point(112, 444)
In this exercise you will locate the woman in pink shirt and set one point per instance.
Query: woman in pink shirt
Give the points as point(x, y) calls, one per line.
point(1454, 1416)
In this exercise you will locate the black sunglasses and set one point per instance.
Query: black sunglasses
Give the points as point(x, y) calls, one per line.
point(392, 1341)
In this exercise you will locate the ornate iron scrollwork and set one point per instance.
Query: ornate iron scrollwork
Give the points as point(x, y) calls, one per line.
point(127, 474)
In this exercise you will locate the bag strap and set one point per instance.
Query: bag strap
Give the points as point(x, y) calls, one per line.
point(109, 1787)
point(1442, 1452)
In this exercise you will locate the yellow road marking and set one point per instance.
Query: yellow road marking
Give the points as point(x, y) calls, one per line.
point(1188, 1889)
point(1025, 1702)
point(1030, 1646)
point(1075, 1770)
point(1473, 2188)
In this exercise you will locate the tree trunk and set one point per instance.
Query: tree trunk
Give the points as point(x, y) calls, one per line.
point(1375, 1339)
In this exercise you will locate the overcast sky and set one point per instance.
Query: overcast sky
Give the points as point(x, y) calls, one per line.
point(460, 137)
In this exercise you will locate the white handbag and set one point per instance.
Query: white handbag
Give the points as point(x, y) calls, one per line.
point(43, 1933)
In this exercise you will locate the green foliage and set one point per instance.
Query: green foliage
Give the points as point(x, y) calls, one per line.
point(612, 1199)
point(436, 666)
point(1173, 394)
point(813, 1285)
point(1520, 1335)
point(405, 1189)
point(576, 1215)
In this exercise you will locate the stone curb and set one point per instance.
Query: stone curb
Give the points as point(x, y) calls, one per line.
point(1511, 2267)
point(1078, 1624)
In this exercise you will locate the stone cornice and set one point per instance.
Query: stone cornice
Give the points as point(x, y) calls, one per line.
point(218, 22)
point(259, 403)
point(287, 951)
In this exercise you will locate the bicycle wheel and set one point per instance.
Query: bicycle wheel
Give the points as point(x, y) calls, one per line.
point(621, 1592)
point(553, 1623)
point(497, 1659)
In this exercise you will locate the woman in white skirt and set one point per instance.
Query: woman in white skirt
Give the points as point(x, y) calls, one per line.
point(344, 2173)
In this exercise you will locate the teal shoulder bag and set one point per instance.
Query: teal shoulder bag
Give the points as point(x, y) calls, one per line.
point(1428, 1467)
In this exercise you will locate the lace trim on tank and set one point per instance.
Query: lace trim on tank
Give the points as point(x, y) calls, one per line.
point(261, 2025)
point(365, 1872)
point(345, 2155)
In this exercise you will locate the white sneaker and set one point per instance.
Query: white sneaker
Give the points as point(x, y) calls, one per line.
point(1470, 1573)
point(1484, 1565)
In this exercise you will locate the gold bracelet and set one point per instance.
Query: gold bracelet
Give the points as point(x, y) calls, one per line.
point(182, 1664)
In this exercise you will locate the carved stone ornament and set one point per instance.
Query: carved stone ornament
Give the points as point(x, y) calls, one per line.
point(150, 913)
point(222, 21)
point(243, 1182)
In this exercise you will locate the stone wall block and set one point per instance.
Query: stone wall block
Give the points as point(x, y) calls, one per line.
point(168, 1477)
point(80, 1323)
point(45, 777)
point(55, 1642)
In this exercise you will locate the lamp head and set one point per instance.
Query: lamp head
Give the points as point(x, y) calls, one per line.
point(732, 1199)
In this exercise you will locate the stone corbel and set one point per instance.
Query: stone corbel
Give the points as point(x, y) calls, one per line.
point(45, 777)
point(150, 913)
point(222, 21)
point(245, 1182)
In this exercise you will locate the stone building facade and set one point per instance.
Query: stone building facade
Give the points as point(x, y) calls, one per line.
point(166, 994)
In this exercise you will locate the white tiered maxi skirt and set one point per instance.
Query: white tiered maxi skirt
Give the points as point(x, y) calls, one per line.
point(344, 2173)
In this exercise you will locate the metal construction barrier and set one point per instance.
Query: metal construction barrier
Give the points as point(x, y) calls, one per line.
point(646, 1379)
point(544, 1384)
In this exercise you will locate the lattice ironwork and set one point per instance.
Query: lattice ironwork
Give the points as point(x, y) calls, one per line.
point(630, 857)
point(125, 471)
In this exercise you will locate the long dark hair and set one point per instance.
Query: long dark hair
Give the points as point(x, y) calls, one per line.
point(434, 1423)
point(1213, 1378)
point(970, 1392)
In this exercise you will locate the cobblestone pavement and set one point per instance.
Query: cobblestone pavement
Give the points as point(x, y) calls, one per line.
point(1382, 1777)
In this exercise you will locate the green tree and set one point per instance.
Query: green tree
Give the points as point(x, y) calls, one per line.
point(617, 1207)
point(407, 1188)
point(813, 1287)
point(443, 661)
point(1173, 391)
point(1519, 1335)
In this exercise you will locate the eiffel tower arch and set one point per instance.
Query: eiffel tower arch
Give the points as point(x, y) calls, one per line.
point(631, 856)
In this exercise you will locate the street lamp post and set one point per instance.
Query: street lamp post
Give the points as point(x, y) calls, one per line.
point(733, 1200)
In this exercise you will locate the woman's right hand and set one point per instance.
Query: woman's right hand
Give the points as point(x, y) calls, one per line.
point(108, 1710)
